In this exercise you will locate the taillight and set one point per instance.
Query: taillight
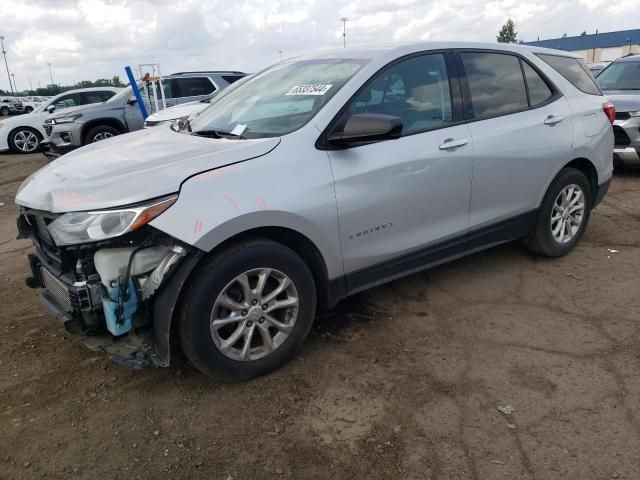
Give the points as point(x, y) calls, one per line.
point(610, 111)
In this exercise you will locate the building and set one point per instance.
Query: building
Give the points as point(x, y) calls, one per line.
point(596, 47)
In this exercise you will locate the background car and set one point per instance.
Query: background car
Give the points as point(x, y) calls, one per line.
point(23, 134)
point(185, 110)
point(31, 103)
point(596, 67)
point(10, 105)
point(121, 114)
point(620, 82)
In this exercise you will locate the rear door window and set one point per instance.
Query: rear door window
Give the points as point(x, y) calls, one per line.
point(496, 84)
point(574, 70)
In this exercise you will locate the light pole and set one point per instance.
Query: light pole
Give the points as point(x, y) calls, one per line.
point(5, 63)
point(30, 85)
point(344, 31)
point(50, 74)
point(280, 52)
point(13, 75)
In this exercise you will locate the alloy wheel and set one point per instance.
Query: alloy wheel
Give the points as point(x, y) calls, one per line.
point(254, 314)
point(101, 136)
point(26, 141)
point(567, 213)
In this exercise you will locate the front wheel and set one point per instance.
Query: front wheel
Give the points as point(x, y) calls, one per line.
point(563, 215)
point(24, 140)
point(248, 310)
point(101, 132)
point(28, 109)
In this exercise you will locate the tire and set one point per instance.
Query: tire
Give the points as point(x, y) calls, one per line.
point(100, 132)
point(24, 140)
point(4, 111)
point(28, 109)
point(202, 304)
point(557, 238)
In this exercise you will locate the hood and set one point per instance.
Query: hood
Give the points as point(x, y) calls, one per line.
point(178, 111)
point(624, 100)
point(131, 168)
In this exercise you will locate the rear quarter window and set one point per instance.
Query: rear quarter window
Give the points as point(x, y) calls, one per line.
point(574, 70)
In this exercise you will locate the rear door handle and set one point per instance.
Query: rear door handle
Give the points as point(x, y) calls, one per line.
point(553, 119)
point(453, 143)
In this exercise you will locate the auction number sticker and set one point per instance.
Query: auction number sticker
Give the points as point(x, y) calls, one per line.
point(309, 90)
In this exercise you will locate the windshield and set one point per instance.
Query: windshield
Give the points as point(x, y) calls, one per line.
point(277, 101)
point(620, 76)
point(51, 101)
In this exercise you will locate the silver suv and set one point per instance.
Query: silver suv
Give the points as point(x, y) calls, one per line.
point(83, 125)
point(620, 82)
point(315, 179)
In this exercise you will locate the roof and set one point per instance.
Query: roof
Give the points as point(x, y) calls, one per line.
point(596, 40)
point(399, 49)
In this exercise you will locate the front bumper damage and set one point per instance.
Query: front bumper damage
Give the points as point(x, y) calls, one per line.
point(99, 311)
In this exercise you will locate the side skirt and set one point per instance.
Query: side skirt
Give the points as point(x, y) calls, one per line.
point(520, 226)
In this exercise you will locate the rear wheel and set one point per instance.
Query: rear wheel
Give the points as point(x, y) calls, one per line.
point(4, 111)
point(28, 109)
point(24, 140)
point(248, 310)
point(563, 216)
point(101, 132)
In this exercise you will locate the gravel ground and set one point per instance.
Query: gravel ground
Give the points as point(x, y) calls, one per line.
point(404, 381)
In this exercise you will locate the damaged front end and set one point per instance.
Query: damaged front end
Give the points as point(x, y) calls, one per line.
point(117, 290)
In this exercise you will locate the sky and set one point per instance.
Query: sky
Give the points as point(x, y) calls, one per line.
point(90, 39)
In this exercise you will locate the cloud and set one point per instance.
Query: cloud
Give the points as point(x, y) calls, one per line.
point(87, 39)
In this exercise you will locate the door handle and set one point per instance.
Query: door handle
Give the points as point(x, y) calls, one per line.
point(553, 119)
point(453, 143)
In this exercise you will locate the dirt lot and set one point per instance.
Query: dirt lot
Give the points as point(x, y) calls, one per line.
point(402, 382)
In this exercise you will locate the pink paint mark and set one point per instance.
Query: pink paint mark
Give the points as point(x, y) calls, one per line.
point(261, 203)
point(197, 228)
point(231, 202)
point(71, 199)
point(214, 173)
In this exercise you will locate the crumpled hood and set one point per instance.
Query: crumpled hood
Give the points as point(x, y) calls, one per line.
point(131, 168)
point(624, 100)
point(179, 111)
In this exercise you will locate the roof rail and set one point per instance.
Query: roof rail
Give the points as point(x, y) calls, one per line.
point(229, 72)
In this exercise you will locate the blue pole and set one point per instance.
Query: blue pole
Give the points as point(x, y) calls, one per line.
point(136, 92)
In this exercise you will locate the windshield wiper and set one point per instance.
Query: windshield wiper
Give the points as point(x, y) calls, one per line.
point(216, 134)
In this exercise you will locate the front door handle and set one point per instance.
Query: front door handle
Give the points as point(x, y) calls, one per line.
point(553, 119)
point(453, 143)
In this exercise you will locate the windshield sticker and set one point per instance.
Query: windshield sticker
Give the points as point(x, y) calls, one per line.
point(238, 129)
point(309, 90)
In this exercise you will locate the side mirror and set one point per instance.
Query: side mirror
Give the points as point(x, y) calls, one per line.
point(132, 101)
point(51, 108)
point(366, 128)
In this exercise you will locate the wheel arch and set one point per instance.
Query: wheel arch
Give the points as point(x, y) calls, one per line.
point(111, 122)
point(167, 301)
point(582, 164)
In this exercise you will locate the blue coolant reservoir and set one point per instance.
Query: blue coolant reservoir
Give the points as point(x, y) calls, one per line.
point(119, 314)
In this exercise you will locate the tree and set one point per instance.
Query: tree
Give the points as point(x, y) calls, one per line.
point(584, 32)
point(507, 33)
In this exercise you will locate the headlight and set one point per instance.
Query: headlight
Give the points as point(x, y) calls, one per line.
point(70, 119)
point(84, 227)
